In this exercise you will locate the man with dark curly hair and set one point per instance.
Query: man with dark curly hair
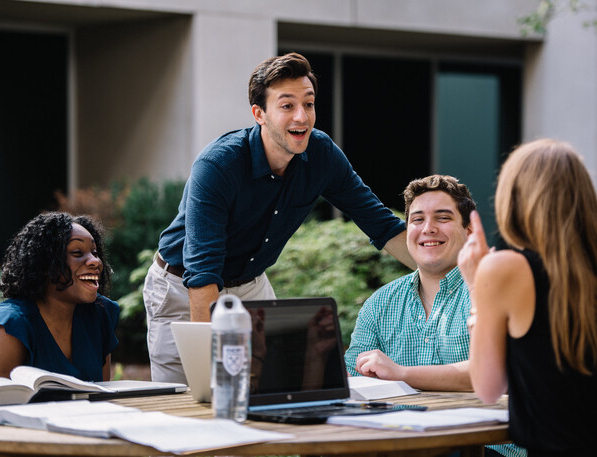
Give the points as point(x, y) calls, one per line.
point(54, 317)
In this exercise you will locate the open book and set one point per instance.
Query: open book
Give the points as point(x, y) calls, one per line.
point(30, 384)
point(164, 432)
point(37, 415)
point(366, 388)
point(161, 431)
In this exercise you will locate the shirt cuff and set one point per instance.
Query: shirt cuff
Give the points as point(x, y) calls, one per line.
point(201, 279)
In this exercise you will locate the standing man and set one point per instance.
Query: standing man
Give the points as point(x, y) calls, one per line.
point(248, 192)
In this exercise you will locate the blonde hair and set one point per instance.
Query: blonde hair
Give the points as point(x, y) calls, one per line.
point(545, 201)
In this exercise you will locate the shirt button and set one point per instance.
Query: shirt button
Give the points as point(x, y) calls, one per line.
point(276, 212)
point(266, 240)
point(426, 340)
point(251, 259)
point(272, 176)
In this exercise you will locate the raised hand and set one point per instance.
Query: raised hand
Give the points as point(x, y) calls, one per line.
point(473, 250)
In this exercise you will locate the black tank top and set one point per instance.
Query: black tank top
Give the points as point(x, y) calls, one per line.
point(552, 412)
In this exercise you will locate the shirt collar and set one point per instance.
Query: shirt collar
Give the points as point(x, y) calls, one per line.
point(451, 282)
point(258, 160)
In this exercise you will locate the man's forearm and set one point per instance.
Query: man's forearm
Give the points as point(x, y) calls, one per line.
point(396, 247)
point(452, 377)
point(199, 300)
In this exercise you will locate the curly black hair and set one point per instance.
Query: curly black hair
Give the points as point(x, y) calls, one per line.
point(37, 254)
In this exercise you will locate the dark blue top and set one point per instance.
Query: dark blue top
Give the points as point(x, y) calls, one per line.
point(93, 337)
point(552, 412)
point(236, 216)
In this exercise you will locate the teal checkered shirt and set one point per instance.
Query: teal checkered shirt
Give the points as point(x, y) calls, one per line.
point(393, 321)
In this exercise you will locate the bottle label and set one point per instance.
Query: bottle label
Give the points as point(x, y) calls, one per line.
point(233, 358)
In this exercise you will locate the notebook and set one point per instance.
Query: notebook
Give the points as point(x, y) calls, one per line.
point(193, 341)
point(124, 388)
point(297, 368)
point(110, 390)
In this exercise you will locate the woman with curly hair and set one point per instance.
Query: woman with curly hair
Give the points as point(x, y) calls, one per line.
point(534, 307)
point(54, 317)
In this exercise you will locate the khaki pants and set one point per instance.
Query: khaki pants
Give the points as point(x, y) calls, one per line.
point(167, 300)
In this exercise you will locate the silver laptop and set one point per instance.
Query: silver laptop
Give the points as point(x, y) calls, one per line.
point(193, 341)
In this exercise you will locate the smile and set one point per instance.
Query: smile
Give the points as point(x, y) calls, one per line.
point(93, 280)
point(297, 132)
point(431, 243)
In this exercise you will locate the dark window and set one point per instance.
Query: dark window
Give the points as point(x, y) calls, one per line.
point(33, 126)
point(387, 122)
point(403, 119)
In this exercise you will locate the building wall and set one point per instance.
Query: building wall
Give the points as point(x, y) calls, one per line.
point(560, 86)
point(227, 49)
point(134, 113)
point(156, 80)
point(209, 60)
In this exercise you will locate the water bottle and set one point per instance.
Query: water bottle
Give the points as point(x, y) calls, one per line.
point(231, 358)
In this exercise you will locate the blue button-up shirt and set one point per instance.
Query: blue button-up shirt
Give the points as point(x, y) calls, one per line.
point(236, 215)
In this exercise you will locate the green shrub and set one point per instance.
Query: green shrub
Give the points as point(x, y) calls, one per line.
point(333, 258)
point(134, 215)
point(323, 258)
point(147, 210)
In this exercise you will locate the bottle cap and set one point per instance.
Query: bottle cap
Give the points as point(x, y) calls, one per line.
point(230, 315)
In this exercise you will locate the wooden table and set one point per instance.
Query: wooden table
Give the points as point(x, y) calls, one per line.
point(309, 439)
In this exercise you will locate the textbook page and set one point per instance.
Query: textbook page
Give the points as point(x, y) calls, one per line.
point(12, 393)
point(35, 415)
point(165, 432)
point(366, 388)
point(35, 378)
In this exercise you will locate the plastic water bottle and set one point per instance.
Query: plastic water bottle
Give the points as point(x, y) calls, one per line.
point(231, 358)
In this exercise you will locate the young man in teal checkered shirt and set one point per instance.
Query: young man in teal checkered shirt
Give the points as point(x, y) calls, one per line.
point(414, 328)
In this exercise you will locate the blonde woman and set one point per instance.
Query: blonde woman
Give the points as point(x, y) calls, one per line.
point(534, 307)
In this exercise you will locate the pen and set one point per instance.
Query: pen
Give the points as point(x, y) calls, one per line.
point(383, 404)
point(375, 404)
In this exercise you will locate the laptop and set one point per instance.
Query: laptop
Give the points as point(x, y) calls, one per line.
point(297, 368)
point(193, 341)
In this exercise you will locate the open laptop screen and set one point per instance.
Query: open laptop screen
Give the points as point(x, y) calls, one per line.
point(297, 351)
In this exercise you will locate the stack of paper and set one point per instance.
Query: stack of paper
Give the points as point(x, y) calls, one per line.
point(425, 420)
point(36, 415)
point(161, 431)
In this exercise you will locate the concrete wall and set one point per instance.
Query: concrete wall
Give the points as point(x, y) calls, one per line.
point(560, 86)
point(150, 93)
point(134, 106)
point(227, 49)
